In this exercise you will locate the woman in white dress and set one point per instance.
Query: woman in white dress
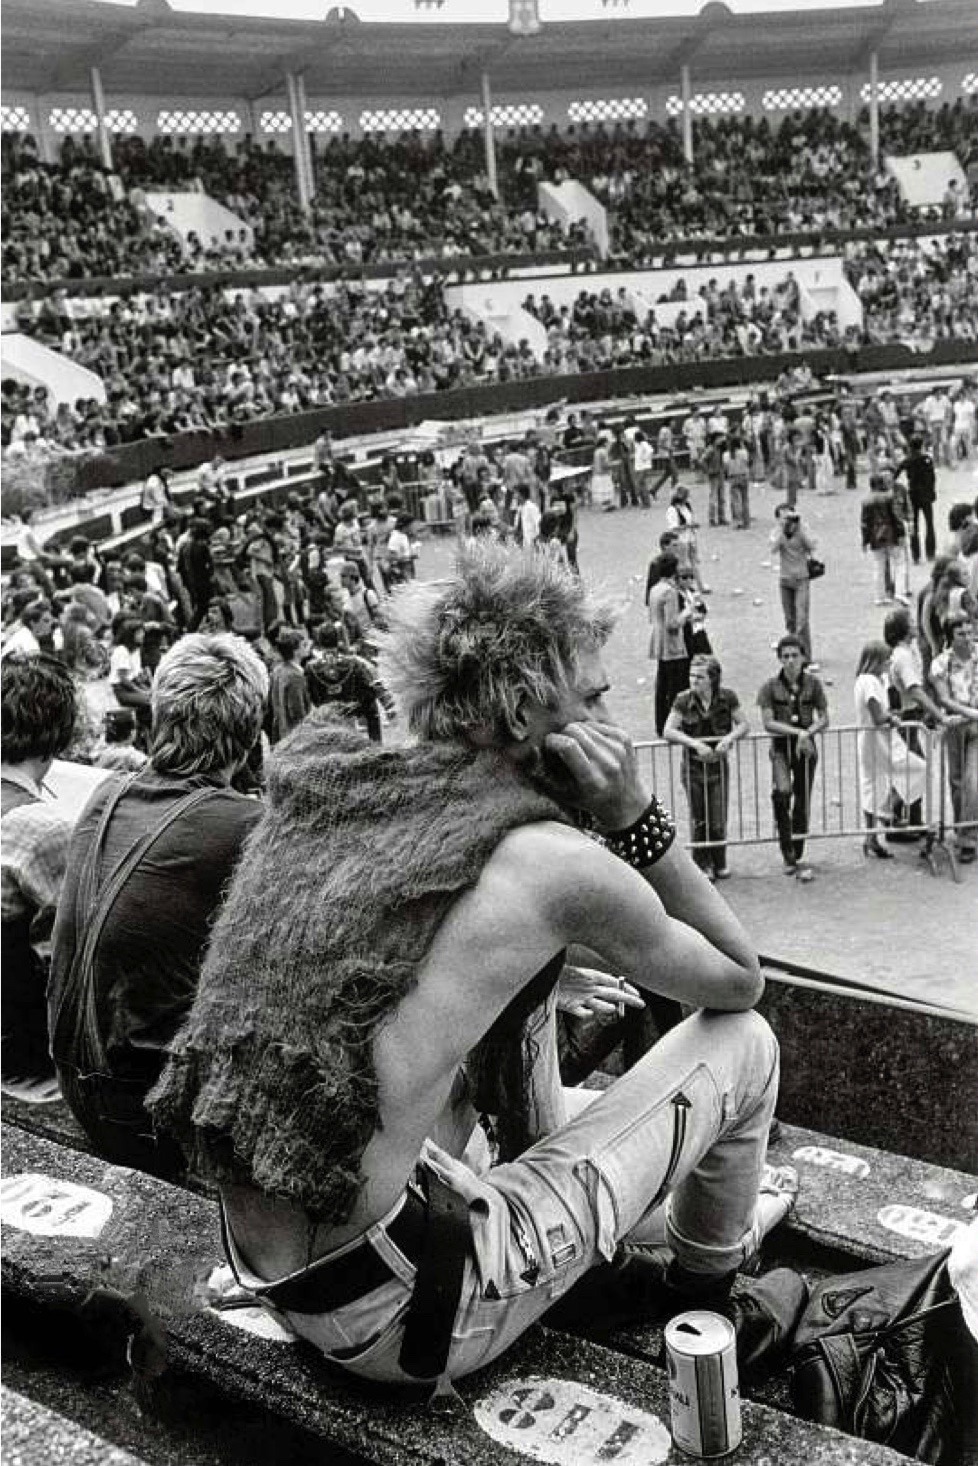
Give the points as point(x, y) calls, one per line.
point(885, 762)
point(602, 475)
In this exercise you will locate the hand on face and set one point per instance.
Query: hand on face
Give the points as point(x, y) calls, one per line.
point(597, 771)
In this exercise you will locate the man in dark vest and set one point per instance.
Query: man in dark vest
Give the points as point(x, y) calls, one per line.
point(38, 725)
point(149, 861)
point(387, 967)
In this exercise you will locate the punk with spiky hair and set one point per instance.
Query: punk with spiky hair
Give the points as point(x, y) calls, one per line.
point(462, 654)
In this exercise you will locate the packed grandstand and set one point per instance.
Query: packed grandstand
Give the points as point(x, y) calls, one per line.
point(305, 320)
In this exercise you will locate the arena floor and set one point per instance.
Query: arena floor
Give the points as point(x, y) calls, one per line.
point(892, 925)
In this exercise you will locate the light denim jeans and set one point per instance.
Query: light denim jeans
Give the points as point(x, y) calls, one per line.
point(689, 1123)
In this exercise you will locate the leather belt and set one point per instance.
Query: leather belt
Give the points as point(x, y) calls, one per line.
point(333, 1282)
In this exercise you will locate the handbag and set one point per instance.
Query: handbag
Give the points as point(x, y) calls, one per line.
point(816, 567)
point(885, 1355)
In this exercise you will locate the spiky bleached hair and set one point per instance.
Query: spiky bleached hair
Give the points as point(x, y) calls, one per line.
point(461, 653)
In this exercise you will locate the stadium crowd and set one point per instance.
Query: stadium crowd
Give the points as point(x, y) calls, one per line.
point(333, 555)
point(176, 361)
point(383, 198)
point(195, 947)
point(601, 330)
point(202, 1018)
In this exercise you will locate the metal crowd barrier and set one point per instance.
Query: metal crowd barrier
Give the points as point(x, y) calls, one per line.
point(908, 767)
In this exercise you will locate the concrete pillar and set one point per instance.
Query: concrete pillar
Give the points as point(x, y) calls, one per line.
point(686, 92)
point(300, 89)
point(874, 108)
point(98, 107)
point(490, 135)
point(39, 128)
point(299, 154)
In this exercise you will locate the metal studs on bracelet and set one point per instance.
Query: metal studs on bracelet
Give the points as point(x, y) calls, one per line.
point(647, 840)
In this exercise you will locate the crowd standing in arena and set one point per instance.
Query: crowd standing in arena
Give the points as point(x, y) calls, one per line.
point(237, 663)
point(308, 583)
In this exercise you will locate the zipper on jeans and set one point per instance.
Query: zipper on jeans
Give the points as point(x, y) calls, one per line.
point(680, 1110)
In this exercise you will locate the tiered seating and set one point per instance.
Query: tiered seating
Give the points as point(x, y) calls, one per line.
point(810, 171)
point(417, 196)
point(162, 1244)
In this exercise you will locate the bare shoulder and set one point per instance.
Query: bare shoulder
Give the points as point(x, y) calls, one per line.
point(537, 859)
point(560, 874)
point(515, 913)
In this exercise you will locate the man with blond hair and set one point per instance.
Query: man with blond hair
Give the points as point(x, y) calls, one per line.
point(148, 864)
point(388, 965)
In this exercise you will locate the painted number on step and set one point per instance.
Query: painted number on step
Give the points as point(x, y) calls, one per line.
point(567, 1424)
point(922, 1226)
point(833, 1160)
point(50, 1208)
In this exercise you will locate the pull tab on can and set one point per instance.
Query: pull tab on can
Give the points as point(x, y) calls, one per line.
point(704, 1396)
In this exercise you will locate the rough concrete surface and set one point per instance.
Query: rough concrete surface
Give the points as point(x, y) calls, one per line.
point(160, 1242)
point(33, 1434)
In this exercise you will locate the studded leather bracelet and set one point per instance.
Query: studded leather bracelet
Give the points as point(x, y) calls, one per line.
point(647, 840)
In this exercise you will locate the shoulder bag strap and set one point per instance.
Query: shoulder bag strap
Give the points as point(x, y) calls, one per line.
point(97, 904)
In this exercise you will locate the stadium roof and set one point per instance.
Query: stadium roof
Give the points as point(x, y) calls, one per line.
point(49, 46)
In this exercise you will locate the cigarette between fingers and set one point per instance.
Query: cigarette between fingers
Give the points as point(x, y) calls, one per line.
point(620, 1006)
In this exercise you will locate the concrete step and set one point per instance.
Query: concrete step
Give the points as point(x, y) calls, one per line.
point(33, 1435)
point(869, 1205)
point(80, 1233)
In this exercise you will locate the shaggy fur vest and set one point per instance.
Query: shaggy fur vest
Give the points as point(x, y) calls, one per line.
point(358, 857)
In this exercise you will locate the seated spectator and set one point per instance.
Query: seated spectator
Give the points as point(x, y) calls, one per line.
point(361, 605)
point(400, 551)
point(340, 678)
point(81, 649)
point(288, 700)
point(117, 750)
point(31, 633)
point(170, 836)
point(39, 709)
point(362, 1025)
point(129, 680)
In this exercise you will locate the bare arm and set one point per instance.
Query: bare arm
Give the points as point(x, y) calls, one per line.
point(673, 733)
point(775, 727)
point(602, 763)
point(958, 710)
point(633, 920)
point(882, 718)
point(739, 730)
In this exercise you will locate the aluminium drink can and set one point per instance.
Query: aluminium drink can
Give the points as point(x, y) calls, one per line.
point(704, 1397)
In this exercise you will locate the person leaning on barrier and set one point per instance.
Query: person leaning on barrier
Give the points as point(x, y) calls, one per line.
point(385, 968)
point(706, 722)
point(39, 712)
point(954, 678)
point(794, 710)
point(916, 706)
point(149, 861)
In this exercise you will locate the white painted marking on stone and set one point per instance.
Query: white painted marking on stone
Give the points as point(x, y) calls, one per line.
point(833, 1160)
point(251, 1318)
point(921, 1226)
point(256, 1320)
point(565, 1423)
point(49, 1208)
